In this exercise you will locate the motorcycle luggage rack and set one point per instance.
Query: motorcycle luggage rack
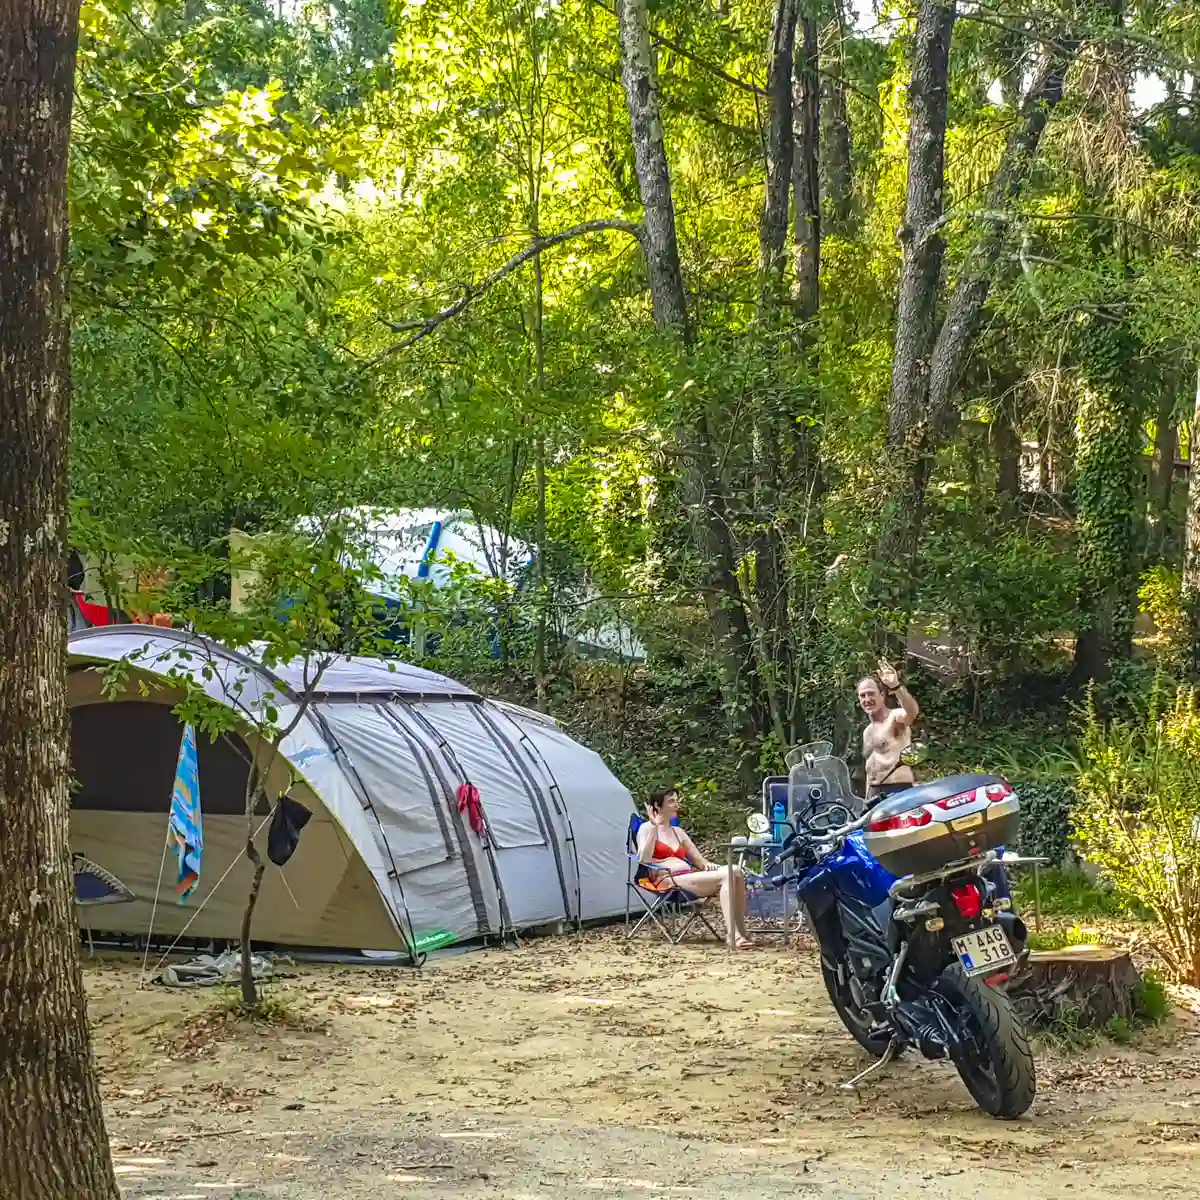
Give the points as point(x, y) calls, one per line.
point(901, 886)
point(944, 872)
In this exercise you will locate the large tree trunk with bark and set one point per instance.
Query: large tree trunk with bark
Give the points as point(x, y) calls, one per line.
point(52, 1139)
point(926, 371)
point(705, 493)
point(806, 181)
point(804, 421)
point(773, 227)
point(769, 610)
point(660, 244)
point(920, 276)
point(837, 172)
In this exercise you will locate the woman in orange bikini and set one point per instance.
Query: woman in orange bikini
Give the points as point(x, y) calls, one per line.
point(662, 844)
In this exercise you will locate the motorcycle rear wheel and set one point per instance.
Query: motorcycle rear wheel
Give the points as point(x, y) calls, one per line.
point(998, 1068)
point(857, 1023)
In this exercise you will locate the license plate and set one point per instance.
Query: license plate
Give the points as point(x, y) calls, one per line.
point(983, 950)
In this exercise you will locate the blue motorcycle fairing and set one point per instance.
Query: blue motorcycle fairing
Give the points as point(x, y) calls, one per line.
point(851, 871)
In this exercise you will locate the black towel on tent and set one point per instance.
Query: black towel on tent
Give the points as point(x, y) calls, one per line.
point(283, 837)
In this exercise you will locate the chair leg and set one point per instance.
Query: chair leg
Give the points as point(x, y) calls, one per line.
point(652, 916)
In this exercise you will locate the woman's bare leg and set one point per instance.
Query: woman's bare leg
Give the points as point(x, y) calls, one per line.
point(730, 888)
point(728, 911)
point(738, 889)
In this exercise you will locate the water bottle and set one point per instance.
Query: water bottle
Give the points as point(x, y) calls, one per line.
point(779, 816)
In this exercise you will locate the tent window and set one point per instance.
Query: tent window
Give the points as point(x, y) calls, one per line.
point(123, 757)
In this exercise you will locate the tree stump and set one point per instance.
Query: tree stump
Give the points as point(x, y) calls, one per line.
point(1095, 983)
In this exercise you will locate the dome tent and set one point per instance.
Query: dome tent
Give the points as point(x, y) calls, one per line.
point(386, 860)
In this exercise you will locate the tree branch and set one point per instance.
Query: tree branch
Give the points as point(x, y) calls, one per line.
point(422, 327)
point(975, 276)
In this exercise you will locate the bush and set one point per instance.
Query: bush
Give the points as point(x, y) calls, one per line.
point(1046, 807)
point(1071, 892)
point(1139, 818)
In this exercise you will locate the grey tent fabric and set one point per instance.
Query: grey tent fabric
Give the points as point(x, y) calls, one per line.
point(377, 756)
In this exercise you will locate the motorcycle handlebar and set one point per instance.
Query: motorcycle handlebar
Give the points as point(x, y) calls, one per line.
point(831, 835)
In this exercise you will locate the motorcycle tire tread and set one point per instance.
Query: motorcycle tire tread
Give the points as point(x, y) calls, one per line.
point(1002, 1027)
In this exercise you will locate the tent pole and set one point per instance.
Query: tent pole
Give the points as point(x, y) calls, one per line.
point(154, 907)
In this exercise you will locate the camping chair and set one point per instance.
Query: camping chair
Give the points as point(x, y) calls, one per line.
point(671, 910)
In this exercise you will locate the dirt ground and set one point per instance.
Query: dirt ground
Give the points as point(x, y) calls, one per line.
point(589, 1066)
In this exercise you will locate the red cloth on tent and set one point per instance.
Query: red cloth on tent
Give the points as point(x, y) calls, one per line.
point(93, 614)
point(470, 802)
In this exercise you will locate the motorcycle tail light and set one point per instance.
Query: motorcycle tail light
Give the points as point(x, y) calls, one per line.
point(968, 899)
point(913, 819)
point(996, 792)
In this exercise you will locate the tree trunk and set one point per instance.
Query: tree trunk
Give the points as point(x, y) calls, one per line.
point(925, 376)
point(705, 494)
point(660, 245)
point(920, 273)
point(248, 983)
point(804, 466)
point(53, 1144)
point(771, 593)
point(1090, 985)
point(837, 173)
point(975, 276)
point(1108, 438)
point(806, 180)
point(1191, 540)
point(1163, 472)
point(1008, 457)
point(773, 227)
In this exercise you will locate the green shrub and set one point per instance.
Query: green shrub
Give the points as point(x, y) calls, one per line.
point(1046, 807)
point(1139, 818)
point(1151, 1001)
point(1071, 892)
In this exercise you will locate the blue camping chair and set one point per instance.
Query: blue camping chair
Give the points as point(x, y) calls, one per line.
point(672, 911)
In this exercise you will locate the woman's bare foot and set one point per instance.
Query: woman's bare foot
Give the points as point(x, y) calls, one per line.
point(744, 942)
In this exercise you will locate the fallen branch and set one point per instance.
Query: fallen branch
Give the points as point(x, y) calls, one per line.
point(174, 1139)
point(422, 327)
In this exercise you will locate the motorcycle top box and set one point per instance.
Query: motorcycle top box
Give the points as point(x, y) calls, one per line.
point(931, 824)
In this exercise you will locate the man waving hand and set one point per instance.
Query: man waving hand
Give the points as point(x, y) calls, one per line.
point(888, 733)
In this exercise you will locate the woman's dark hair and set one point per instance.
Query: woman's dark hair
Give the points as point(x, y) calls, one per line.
point(659, 795)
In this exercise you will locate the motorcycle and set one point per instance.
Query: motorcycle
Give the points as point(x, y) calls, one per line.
point(914, 918)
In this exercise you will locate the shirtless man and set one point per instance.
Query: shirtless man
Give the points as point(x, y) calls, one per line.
point(888, 733)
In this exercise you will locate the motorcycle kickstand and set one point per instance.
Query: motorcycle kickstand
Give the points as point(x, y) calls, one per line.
point(878, 1065)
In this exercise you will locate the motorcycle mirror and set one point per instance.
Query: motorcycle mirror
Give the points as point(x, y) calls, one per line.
point(757, 823)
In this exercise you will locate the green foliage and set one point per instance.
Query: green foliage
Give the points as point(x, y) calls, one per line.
point(272, 208)
point(1152, 1001)
point(282, 1010)
point(1060, 939)
point(1161, 598)
point(1071, 892)
point(1046, 807)
point(1139, 818)
point(1007, 597)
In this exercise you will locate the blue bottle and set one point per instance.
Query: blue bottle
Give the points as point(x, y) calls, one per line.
point(779, 816)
